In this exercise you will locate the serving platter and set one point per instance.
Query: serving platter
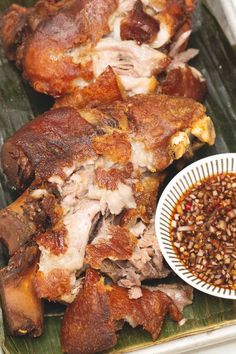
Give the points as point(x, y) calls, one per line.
point(19, 103)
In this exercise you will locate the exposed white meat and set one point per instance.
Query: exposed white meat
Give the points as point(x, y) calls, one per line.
point(138, 229)
point(115, 200)
point(138, 85)
point(147, 257)
point(177, 45)
point(127, 58)
point(182, 58)
point(135, 292)
point(75, 188)
point(126, 5)
point(78, 226)
point(141, 157)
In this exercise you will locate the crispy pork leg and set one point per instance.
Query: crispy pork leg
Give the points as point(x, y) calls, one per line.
point(46, 34)
point(91, 321)
point(64, 45)
point(23, 310)
point(149, 131)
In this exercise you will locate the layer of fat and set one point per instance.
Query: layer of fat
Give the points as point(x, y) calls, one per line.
point(141, 157)
point(39, 193)
point(115, 200)
point(138, 85)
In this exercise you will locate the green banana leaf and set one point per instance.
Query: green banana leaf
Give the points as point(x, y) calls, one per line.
point(19, 103)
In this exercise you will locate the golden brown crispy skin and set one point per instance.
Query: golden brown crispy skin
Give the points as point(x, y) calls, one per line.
point(89, 322)
point(45, 62)
point(22, 308)
point(114, 146)
point(54, 240)
point(148, 311)
point(118, 246)
point(105, 89)
point(109, 179)
point(139, 26)
point(156, 118)
point(50, 140)
point(87, 325)
point(52, 287)
point(145, 193)
point(182, 82)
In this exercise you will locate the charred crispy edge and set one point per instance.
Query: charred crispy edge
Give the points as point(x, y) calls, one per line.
point(105, 89)
point(22, 309)
point(15, 227)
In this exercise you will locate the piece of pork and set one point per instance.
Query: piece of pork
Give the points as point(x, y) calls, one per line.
point(45, 61)
point(23, 311)
point(181, 294)
point(62, 46)
point(90, 322)
point(185, 81)
point(46, 143)
point(105, 89)
point(138, 247)
point(139, 25)
point(101, 161)
point(62, 252)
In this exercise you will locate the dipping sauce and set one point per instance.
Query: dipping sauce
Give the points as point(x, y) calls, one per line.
point(203, 230)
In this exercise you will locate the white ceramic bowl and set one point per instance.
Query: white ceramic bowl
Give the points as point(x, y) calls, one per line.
point(195, 172)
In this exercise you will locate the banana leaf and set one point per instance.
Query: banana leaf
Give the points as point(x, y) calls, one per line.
point(19, 103)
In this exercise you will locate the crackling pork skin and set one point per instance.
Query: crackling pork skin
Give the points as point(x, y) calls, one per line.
point(63, 46)
point(90, 323)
